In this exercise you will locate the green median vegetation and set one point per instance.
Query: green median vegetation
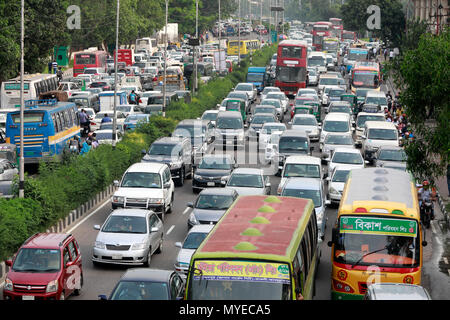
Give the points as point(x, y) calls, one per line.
point(62, 186)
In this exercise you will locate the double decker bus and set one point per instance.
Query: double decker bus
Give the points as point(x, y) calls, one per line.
point(88, 59)
point(49, 126)
point(377, 236)
point(337, 28)
point(367, 75)
point(263, 248)
point(292, 66)
point(33, 86)
point(320, 30)
point(348, 35)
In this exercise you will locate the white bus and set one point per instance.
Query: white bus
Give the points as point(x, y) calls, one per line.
point(146, 43)
point(33, 85)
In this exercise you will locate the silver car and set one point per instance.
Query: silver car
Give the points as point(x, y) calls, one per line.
point(249, 181)
point(128, 237)
point(307, 123)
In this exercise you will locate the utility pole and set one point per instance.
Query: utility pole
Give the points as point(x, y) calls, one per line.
point(195, 48)
point(220, 45)
point(115, 77)
point(165, 61)
point(22, 158)
point(239, 34)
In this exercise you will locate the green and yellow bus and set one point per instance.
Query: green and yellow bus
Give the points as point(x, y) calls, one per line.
point(247, 47)
point(377, 236)
point(263, 248)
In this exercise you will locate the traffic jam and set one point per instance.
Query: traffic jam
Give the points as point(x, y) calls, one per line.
point(292, 188)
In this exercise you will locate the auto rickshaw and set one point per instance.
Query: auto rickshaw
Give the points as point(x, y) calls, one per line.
point(353, 101)
point(302, 109)
point(237, 105)
point(9, 151)
point(317, 109)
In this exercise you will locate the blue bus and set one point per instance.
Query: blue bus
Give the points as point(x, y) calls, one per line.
point(354, 55)
point(49, 127)
point(257, 76)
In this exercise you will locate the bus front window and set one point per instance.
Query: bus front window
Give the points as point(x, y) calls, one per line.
point(365, 80)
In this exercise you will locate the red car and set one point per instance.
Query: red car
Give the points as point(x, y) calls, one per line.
point(47, 267)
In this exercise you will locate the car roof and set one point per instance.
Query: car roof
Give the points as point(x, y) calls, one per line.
point(303, 183)
point(278, 124)
point(387, 147)
point(398, 291)
point(141, 274)
point(229, 114)
point(192, 122)
point(201, 228)
point(303, 159)
point(217, 191)
point(211, 111)
point(170, 140)
point(337, 116)
point(130, 212)
point(302, 115)
point(46, 240)
point(248, 171)
point(294, 133)
point(150, 167)
point(380, 124)
point(347, 150)
point(375, 93)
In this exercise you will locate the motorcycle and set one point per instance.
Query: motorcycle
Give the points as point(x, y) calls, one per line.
point(427, 212)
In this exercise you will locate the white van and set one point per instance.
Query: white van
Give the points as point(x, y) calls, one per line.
point(318, 60)
point(377, 134)
point(145, 185)
point(300, 166)
point(361, 120)
point(336, 122)
point(376, 97)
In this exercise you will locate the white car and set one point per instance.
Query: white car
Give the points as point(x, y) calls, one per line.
point(147, 185)
point(194, 238)
point(97, 121)
point(324, 93)
point(210, 115)
point(336, 182)
point(313, 77)
point(267, 90)
point(280, 96)
point(69, 88)
point(249, 88)
point(335, 140)
point(307, 123)
point(300, 166)
point(347, 156)
point(128, 109)
point(145, 95)
point(266, 132)
point(271, 150)
point(249, 181)
point(105, 136)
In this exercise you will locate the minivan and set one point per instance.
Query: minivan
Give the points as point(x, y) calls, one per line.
point(336, 122)
point(229, 130)
point(377, 134)
point(292, 143)
point(361, 122)
point(376, 97)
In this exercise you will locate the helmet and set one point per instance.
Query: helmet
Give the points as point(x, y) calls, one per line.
point(425, 183)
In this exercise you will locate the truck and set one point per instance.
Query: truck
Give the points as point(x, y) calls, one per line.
point(107, 99)
point(257, 76)
point(125, 55)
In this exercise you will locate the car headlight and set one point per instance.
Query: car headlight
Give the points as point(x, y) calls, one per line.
point(193, 219)
point(156, 200)
point(99, 245)
point(52, 286)
point(118, 199)
point(197, 177)
point(225, 178)
point(8, 285)
point(138, 246)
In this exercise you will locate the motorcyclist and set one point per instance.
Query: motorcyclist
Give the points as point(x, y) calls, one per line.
point(425, 194)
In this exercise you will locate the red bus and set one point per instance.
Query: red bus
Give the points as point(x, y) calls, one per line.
point(125, 55)
point(320, 30)
point(348, 35)
point(337, 28)
point(291, 66)
point(87, 59)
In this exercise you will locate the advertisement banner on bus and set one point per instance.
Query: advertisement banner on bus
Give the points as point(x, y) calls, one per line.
point(370, 225)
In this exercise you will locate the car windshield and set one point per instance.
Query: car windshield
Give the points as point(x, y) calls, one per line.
point(159, 149)
point(140, 290)
point(316, 61)
point(361, 92)
point(238, 95)
point(340, 176)
point(194, 239)
point(125, 224)
point(189, 130)
point(301, 170)
point(214, 202)
point(215, 163)
point(376, 100)
point(303, 121)
point(347, 157)
point(229, 123)
point(255, 77)
point(246, 180)
point(392, 155)
point(263, 110)
point(329, 81)
point(336, 126)
point(141, 180)
point(37, 260)
point(211, 116)
point(336, 93)
point(338, 139)
point(314, 195)
point(244, 87)
point(270, 129)
point(293, 144)
point(124, 108)
point(104, 135)
point(276, 95)
point(275, 103)
point(267, 90)
point(382, 134)
point(363, 118)
point(340, 109)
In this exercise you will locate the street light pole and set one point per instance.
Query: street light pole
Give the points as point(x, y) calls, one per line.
point(239, 34)
point(195, 47)
point(165, 61)
point(22, 158)
point(220, 45)
point(115, 78)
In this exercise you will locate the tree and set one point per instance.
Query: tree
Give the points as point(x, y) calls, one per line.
point(423, 75)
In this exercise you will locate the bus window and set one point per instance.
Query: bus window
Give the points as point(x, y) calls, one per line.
point(37, 88)
point(57, 123)
point(302, 271)
point(305, 253)
point(67, 122)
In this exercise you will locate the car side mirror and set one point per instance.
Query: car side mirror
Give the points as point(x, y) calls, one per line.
point(327, 202)
point(154, 229)
point(178, 244)
point(190, 205)
point(102, 297)
point(97, 227)
point(116, 183)
point(167, 185)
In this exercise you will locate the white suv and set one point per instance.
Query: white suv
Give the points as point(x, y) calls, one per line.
point(145, 185)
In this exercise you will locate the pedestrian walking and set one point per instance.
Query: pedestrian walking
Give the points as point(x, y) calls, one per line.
point(54, 66)
point(391, 54)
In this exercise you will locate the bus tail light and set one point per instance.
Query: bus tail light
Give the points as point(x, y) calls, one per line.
point(42, 124)
point(361, 210)
point(342, 287)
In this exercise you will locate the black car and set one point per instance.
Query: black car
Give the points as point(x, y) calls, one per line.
point(212, 170)
point(176, 152)
point(148, 284)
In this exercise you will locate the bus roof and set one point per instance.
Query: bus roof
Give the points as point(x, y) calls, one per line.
point(52, 107)
point(380, 190)
point(33, 77)
point(259, 227)
point(299, 43)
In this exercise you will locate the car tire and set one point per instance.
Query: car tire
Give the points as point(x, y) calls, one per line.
point(62, 296)
point(159, 250)
point(149, 258)
point(171, 203)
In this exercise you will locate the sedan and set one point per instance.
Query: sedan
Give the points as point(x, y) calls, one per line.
point(276, 103)
point(248, 88)
point(211, 170)
point(128, 237)
point(347, 156)
point(148, 284)
point(106, 136)
point(335, 140)
point(257, 123)
point(128, 109)
point(132, 120)
point(266, 131)
point(266, 91)
point(280, 96)
point(307, 123)
point(336, 182)
point(391, 157)
point(192, 241)
point(249, 181)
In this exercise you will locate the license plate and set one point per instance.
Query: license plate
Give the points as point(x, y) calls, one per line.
point(117, 257)
point(210, 184)
point(27, 297)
